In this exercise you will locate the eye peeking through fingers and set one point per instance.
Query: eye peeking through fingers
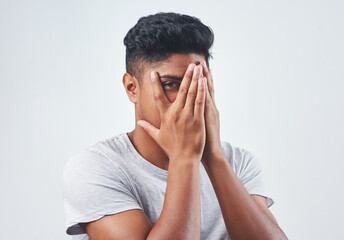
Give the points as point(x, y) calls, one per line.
point(171, 85)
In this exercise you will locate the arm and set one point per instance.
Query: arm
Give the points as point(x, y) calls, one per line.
point(244, 217)
point(182, 137)
point(179, 219)
point(181, 214)
point(261, 203)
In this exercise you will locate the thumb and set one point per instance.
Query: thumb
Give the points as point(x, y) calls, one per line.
point(149, 128)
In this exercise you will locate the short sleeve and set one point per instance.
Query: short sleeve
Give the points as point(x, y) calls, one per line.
point(93, 186)
point(251, 174)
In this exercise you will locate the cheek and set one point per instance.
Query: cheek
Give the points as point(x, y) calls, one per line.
point(148, 109)
point(148, 104)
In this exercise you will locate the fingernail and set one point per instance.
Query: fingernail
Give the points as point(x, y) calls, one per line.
point(191, 66)
point(197, 70)
point(153, 76)
point(204, 63)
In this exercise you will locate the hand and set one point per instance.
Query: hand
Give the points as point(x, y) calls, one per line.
point(212, 148)
point(182, 129)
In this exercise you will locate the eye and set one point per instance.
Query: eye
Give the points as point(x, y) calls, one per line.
point(171, 85)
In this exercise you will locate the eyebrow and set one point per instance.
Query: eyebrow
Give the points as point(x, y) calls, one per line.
point(172, 77)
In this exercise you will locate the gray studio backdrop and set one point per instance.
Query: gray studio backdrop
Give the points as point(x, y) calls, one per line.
point(278, 73)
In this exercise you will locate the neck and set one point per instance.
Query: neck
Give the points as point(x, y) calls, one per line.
point(148, 148)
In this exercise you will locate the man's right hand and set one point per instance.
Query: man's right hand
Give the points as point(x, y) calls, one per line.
point(182, 130)
point(182, 137)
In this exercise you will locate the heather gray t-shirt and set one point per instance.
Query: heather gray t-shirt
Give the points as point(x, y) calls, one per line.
point(111, 177)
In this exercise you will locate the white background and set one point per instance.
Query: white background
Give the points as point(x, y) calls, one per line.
point(279, 81)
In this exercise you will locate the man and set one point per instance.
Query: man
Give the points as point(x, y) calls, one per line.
point(171, 177)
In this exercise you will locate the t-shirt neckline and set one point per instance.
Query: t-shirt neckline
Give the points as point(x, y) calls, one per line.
point(145, 163)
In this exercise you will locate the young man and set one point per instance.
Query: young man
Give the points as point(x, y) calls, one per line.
point(171, 177)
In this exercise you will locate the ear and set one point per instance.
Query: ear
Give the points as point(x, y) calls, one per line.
point(131, 86)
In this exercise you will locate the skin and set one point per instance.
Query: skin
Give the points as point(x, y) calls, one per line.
point(177, 128)
point(145, 107)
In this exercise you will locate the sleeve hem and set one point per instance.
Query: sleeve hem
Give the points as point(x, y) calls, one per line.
point(74, 228)
point(269, 200)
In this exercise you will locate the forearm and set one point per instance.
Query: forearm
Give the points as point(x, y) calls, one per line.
point(181, 214)
point(243, 218)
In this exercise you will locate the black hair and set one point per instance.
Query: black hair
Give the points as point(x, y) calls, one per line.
point(156, 37)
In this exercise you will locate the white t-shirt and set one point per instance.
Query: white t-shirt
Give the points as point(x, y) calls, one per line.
point(111, 177)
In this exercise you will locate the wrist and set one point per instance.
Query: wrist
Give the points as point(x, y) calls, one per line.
point(185, 161)
point(186, 156)
point(214, 161)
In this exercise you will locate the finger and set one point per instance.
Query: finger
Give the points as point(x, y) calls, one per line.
point(212, 92)
point(208, 99)
point(149, 128)
point(184, 87)
point(159, 96)
point(200, 99)
point(192, 93)
point(209, 76)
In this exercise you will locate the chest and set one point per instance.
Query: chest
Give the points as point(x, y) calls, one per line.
point(150, 192)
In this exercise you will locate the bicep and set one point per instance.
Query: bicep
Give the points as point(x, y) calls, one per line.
point(131, 224)
point(261, 202)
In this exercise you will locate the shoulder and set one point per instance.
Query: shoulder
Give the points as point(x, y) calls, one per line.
point(242, 160)
point(249, 170)
point(85, 160)
point(103, 151)
point(103, 158)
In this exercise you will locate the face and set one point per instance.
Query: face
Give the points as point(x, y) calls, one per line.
point(171, 73)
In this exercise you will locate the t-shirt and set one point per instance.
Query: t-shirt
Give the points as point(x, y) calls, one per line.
point(110, 177)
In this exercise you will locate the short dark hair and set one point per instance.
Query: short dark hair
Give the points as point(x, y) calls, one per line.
point(156, 37)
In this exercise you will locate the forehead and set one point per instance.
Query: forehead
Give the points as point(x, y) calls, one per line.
point(175, 65)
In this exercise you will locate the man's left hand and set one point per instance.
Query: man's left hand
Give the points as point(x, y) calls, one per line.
point(212, 149)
